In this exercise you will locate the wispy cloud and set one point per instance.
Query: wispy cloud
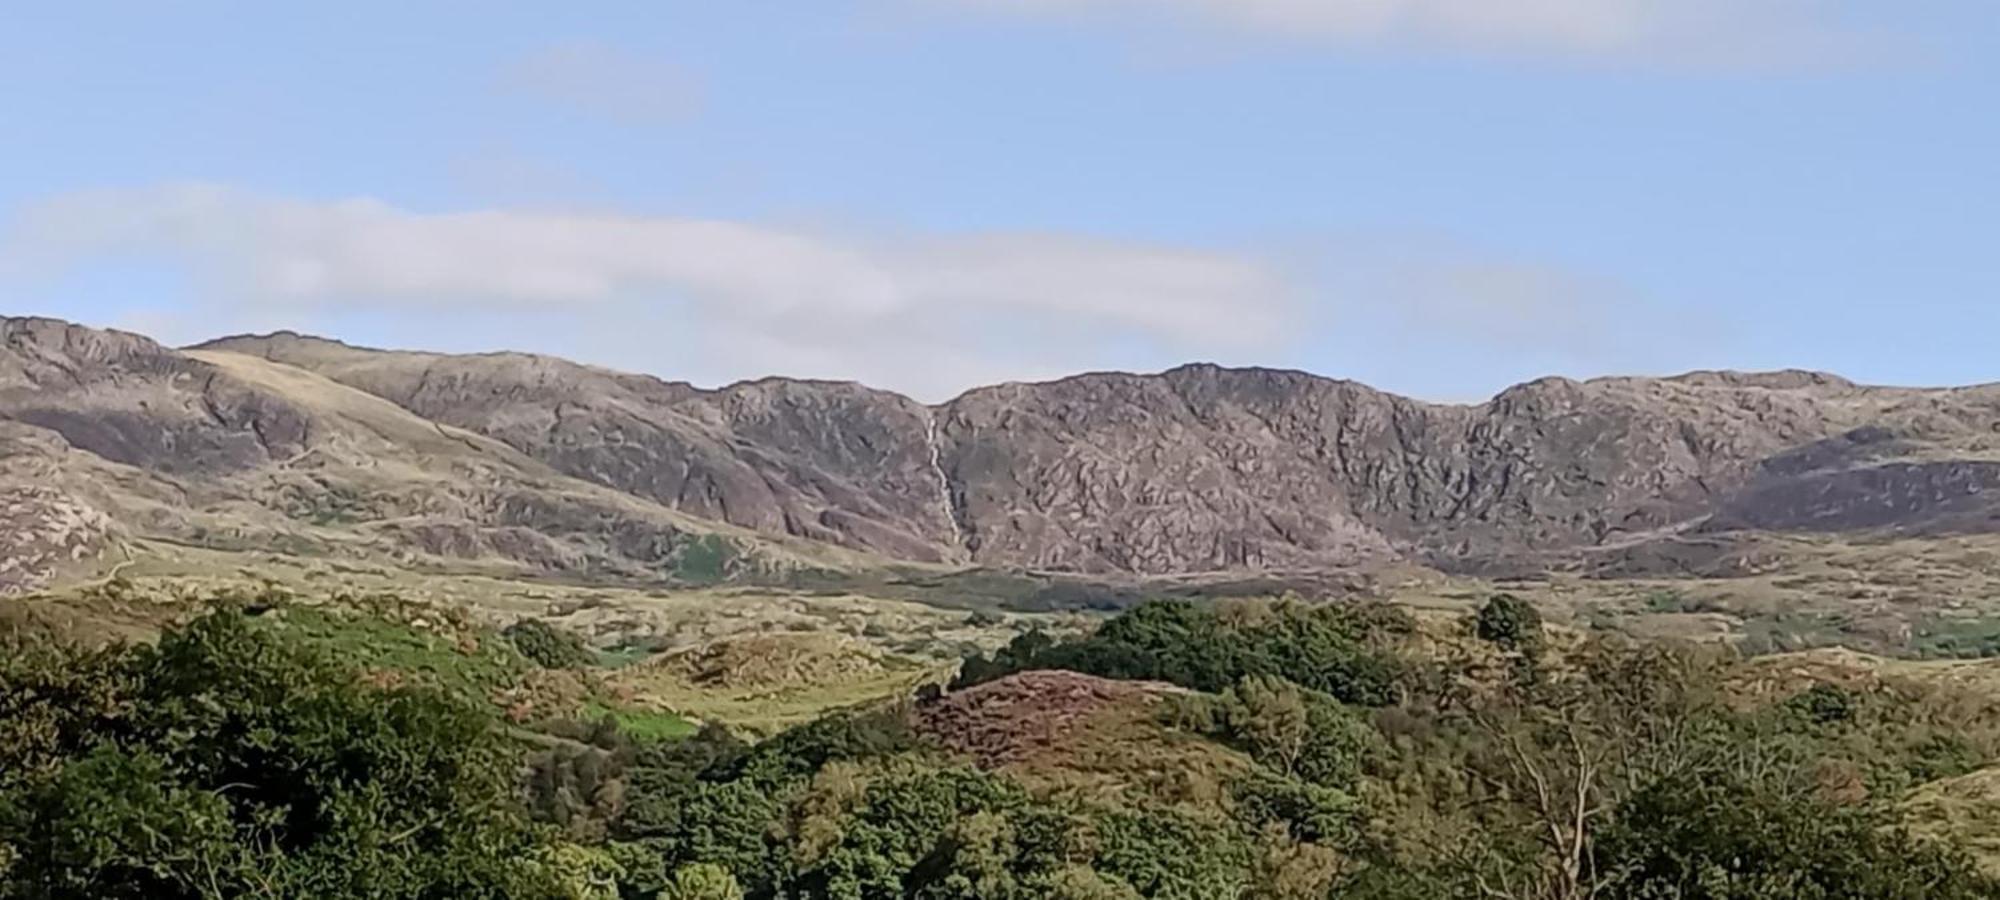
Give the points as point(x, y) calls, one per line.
point(1494, 302)
point(927, 314)
point(605, 81)
point(920, 313)
point(1748, 33)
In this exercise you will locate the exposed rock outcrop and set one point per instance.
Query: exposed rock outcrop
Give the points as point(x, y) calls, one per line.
point(235, 453)
point(1204, 468)
point(304, 445)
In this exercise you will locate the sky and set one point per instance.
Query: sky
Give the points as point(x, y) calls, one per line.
point(1437, 197)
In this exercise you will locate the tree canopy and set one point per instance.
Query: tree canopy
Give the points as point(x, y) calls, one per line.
point(1318, 757)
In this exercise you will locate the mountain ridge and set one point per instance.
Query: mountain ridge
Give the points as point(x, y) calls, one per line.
point(1198, 468)
point(1779, 377)
point(230, 452)
point(1268, 430)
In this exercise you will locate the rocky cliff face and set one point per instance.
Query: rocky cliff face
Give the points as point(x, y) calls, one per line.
point(1205, 468)
point(105, 433)
point(131, 401)
point(824, 461)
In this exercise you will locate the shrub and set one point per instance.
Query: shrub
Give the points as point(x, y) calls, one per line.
point(1328, 647)
point(548, 646)
point(1300, 733)
point(227, 762)
point(1509, 622)
point(1824, 704)
point(1719, 837)
point(702, 881)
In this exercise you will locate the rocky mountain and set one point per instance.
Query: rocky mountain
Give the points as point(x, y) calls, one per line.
point(106, 435)
point(824, 461)
point(305, 446)
point(1205, 468)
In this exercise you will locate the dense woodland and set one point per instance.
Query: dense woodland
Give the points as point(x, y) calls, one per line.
point(230, 759)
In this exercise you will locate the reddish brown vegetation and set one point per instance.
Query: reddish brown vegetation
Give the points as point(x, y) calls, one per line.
point(1016, 717)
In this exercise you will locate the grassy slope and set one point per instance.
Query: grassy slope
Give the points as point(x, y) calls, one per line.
point(445, 631)
point(766, 682)
point(1966, 808)
point(460, 659)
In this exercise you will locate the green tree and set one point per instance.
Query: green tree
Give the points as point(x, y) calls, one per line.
point(116, 824)
point(1170, 855)
point(1268, 717)
point(547, 646)
point(702, 881)
point(1716, 837)
point(1335, 648)
point(1299, 732)
point(1511, 623)
point(224, 761)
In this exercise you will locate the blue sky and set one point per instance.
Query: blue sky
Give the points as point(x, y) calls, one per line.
point(1439, 197)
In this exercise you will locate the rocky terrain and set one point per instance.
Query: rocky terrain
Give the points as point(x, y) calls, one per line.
point(824, 461)
point(106, 436)
point(43, 532)
point(1205, 468)
point(768, 554)
point(310, 447)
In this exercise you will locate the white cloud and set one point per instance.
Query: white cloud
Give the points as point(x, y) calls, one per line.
point(1727, 32)
point(605, 81)
point(927, 315)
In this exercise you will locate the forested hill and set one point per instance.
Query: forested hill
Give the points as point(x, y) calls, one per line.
point(273, 748)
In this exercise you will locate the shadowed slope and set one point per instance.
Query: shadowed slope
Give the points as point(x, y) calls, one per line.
point(1204, 468)
point(232, 452)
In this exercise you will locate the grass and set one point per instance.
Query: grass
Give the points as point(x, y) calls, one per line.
point(487, 664)
point(643, 725)
point(647, 617)
point(629, 625)
point(621, 656)
point(768, 709)
point(1965, 809)
point(1940, 637)
point(705, 559)
point(469, 663)
point(1932, 599)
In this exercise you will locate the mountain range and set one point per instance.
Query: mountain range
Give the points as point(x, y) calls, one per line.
point(308, 446)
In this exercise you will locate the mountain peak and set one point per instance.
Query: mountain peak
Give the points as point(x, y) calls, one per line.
point(1201, 467)
point(1775, 379)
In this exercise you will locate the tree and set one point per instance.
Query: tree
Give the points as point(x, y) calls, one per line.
point(1268, 716)
point(1554, 763)
point(1335, 648)
point(548, 646)
point(1301, 733)
point(1510, 623)
point(115, 824)
point(225, 761)
point(1713, 836)
point(702, 881)
point(1167, 854)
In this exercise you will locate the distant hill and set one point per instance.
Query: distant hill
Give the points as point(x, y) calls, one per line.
point(307, 445)
point(1205, 468)
point(105, 435)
